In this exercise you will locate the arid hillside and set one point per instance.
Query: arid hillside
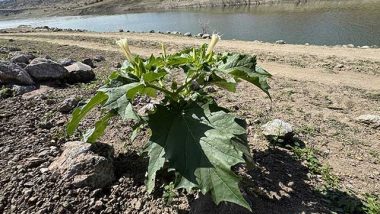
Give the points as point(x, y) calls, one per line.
point(28, 8)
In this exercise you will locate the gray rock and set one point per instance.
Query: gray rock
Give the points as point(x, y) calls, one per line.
point(19, 57)
point(99, 58)
point(206, 36)
point(4, 50)
point(138, 205)
point(199, 35)
point(79, 72)
point(210, 89)
point(281, 42)
point(33, 162)
point(369, 119)
point(365, 47)
point(45, 69)
point(187, 34)
point(98, 205)
point(350, 46)
point(66, 62)
point(339, 66)
point(22, 58)
point(44, 170)
point(22, 89)
point(88, 62)
point(44, 153)
point(121, 30)
point(80, 164)
point(68, 104)
point(278, 131)
point(13, 74)
point(22, 65)
point(152, 31)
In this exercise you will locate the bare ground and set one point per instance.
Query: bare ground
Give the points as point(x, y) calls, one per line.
point(310, 90)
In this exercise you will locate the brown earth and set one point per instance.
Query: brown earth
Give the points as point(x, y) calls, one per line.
point(320, 90)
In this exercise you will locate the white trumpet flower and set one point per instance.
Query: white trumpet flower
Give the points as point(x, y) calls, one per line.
point(123, 44)
point(214, 39)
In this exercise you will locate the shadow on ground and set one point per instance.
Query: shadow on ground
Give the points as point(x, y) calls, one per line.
point(281, 185)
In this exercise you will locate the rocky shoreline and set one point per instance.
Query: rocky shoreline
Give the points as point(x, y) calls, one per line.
point(200, 35)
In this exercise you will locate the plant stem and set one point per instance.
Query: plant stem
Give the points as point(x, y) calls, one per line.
point(186, 84)
point(165, 91)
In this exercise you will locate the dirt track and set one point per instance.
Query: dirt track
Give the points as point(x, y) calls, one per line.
point(360, 67)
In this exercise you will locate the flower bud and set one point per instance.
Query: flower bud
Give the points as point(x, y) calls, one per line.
point(163, 49)
point(214, 39)
point(123, 44)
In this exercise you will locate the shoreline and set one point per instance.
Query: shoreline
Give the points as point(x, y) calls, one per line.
point(28, 28)
point(329, 59)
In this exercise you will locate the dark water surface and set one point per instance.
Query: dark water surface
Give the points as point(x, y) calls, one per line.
point(315, 23)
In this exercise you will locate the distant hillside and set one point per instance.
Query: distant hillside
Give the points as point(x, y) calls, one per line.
point(34, 3)
point(17, 4)
point(38, 8)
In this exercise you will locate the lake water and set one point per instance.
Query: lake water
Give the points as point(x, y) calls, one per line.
point(315, 23)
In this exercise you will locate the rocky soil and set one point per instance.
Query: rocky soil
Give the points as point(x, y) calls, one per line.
point(325, 116)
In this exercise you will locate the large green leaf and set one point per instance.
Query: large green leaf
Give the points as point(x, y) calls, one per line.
point(100, 126)
point(119, 102)
point(199, 145)
point(156, 162)
point(80, 113)
point(244, 67)
point(153, 76)
point(226, 83)
point(112, 99)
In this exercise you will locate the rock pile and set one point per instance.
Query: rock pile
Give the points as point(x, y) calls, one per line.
point(24, 72)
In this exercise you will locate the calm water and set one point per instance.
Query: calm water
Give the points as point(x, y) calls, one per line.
point(318, 23)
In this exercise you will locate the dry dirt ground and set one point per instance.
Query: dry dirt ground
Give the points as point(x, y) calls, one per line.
point(319, 90)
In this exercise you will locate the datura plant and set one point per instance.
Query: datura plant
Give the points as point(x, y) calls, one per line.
point(191, 136)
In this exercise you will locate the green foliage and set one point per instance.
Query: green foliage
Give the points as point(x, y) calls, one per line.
point(371, 204)
point(169, 193)
point(5, 92)
point(190, 133)
point(313, 164)
point(339, 201)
